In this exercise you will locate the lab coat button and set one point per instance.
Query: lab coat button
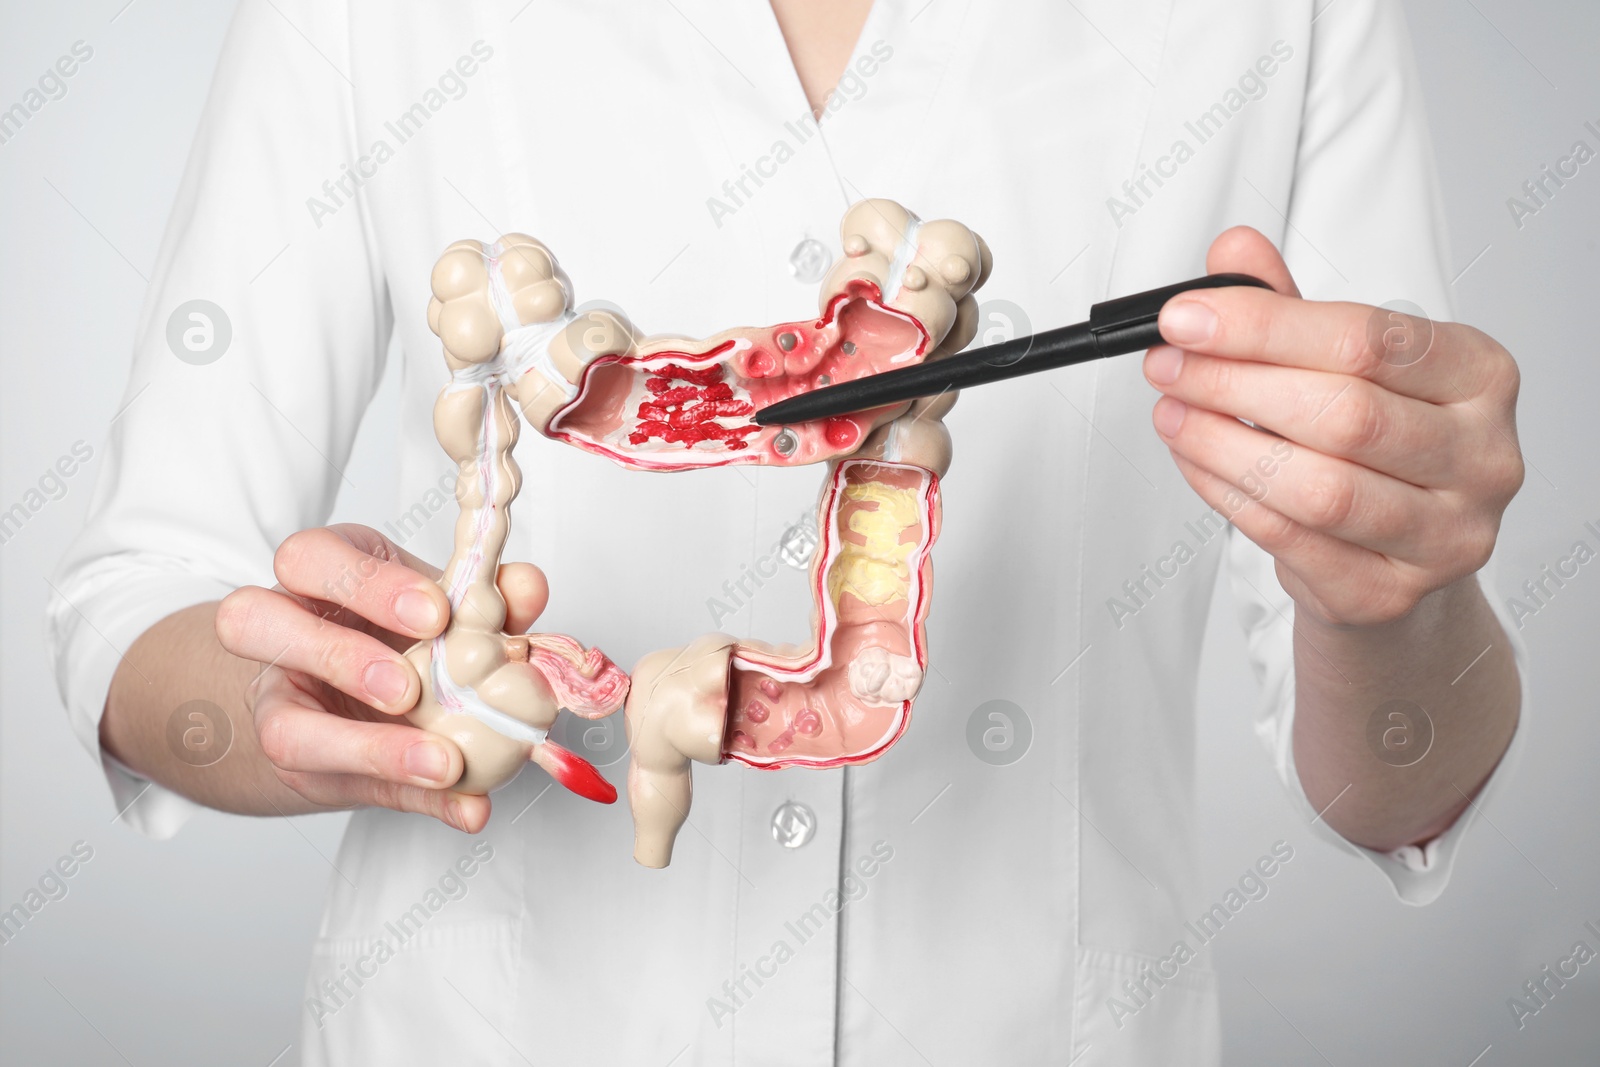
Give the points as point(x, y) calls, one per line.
point(793, 824)
point(810, 261)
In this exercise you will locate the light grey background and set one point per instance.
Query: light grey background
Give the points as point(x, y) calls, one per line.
point(192, 951)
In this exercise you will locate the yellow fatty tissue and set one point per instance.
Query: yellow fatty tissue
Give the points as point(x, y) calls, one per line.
point(876, 572)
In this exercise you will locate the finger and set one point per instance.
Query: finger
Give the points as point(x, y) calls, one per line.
point(371, 541)
point(1343, 338)
point(1331, 413)
point(297, 735)
point(270, 627)
point(526, 591)
point(1370, 588)
point(1324, 493)
point(1245, 250)
point(372, 578)
point(1298, 547)
point(276, 689)
point(462, 811)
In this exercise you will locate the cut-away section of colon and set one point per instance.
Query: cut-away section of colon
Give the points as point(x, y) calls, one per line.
point(901, 293)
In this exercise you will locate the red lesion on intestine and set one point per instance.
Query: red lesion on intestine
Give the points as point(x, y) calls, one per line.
point(684, 413)
point(678, 408)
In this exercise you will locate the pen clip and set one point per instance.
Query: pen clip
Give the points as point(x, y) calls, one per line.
point(1128, 323)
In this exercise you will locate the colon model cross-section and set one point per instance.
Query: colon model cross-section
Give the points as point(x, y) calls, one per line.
point(901, 294)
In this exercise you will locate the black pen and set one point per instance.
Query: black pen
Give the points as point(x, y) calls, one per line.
point(1115, 327)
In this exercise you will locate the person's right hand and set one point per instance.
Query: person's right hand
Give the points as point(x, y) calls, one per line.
point(328, 702)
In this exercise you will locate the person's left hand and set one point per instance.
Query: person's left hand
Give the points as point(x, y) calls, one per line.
point(1396, 457)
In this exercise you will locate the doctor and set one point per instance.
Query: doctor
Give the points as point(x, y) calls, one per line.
point(1016, 881)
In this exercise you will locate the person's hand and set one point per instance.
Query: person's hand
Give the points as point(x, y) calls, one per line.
point(1393, 459)
point(328, 702)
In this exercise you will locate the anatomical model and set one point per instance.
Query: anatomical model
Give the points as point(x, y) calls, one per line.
point(901, 294)
point(494, 694)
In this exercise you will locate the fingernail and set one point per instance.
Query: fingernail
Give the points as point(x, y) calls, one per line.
point(457, 819)
point(417, 611)
point(1169, 416)
point(1162, 364)
point(427, 760)
point(386, 681)
point(1187, 322)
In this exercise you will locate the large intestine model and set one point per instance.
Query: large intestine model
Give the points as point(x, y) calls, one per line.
point(901, 294)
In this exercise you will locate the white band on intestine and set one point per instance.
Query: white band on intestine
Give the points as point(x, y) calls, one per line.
point(498, 296)
point(904, 253)
point(458, 698)
point(451, 695)
point(526, 347)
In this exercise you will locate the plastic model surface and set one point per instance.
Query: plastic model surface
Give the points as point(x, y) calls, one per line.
point(494, 694)
point(901, 294)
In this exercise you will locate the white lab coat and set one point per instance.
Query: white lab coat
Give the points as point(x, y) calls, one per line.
point(993, 912)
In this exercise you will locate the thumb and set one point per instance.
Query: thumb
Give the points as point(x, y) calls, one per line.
point(1243, 250)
